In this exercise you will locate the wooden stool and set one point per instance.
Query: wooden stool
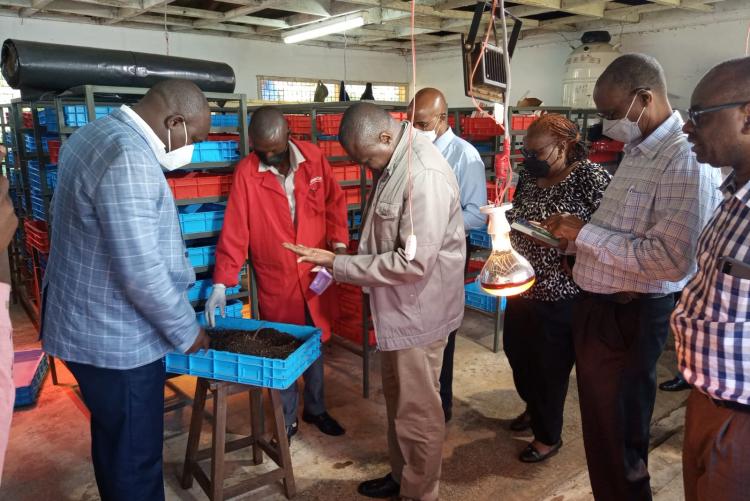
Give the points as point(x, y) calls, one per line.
point(278, 450)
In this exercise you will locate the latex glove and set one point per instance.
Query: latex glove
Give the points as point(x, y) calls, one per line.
point(218, 298)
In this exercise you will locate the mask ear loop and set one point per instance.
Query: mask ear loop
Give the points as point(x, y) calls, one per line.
point(169, 140)
point(184, 127)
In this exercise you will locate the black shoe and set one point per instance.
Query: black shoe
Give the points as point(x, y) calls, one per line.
point(382, 488)
point(325, 423)
point(448, 413)
point(531, 455)
point(291, 431)
point(522, 422)
point(676, 384)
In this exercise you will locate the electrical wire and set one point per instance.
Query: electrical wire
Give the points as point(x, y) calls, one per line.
point(166, 31)
point(413, 109)
point(507, 172)
point(747, 42)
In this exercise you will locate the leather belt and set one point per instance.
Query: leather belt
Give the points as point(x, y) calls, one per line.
point(626, 297)
point(729, 404)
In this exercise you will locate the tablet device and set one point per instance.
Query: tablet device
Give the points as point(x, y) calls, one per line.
point(535, 231)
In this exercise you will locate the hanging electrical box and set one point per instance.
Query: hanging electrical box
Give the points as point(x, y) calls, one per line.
point(485, 74)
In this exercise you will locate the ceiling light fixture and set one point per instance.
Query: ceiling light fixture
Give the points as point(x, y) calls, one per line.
point(323, 28)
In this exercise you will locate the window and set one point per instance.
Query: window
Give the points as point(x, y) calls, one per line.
point(302, 90)
point(7, 93)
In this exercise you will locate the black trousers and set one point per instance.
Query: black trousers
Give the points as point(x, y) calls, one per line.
point(617, 347)
point(446, 371)
point(127, 429)
point(538, 342)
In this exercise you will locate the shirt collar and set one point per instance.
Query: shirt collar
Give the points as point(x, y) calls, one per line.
point(401, 147)
point(655, 141)
point(295, 158)
point(742, 193)
point(443, 141)
point(156, 144)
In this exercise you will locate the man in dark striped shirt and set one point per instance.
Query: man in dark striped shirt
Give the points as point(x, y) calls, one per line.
point(711, 321)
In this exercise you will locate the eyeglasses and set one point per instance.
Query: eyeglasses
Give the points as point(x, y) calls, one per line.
point(611, 114)
point(695, 114)
point(526, 153)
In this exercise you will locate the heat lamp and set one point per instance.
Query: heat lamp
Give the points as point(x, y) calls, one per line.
point(506, 272)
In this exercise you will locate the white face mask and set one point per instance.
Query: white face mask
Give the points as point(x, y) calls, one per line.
point(174, 159)
point(431, 135)
point(624, 130)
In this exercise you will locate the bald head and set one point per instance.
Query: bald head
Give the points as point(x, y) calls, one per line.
point(369, 135)
point(172, 106)
point(634, 71)
point(268, 124)
point(728, 81)
point(428, 111)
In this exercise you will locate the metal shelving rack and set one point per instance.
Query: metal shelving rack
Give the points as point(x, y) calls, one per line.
point(92, 96)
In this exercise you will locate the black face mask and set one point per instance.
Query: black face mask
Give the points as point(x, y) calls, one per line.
point(272, 160)
point(536, 168)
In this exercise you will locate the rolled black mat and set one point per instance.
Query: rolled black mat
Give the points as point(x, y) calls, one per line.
point(42, 67)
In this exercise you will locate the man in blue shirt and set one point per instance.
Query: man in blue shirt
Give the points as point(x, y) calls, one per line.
point(430, 111)
point(115, 287)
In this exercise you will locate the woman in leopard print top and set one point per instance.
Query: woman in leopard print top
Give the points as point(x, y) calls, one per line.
point(556, 178)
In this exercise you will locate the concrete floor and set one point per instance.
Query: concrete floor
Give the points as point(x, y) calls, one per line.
point(49, 458)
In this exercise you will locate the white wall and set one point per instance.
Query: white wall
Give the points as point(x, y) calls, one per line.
point(686, 53)
point(249, 58)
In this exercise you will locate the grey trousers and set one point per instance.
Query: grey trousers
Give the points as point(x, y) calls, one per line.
point(313, 396)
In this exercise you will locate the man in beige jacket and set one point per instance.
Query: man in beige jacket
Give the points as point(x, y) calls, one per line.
point(415, 302)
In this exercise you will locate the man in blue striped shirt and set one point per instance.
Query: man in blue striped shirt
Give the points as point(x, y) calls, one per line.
point(637, 250)
point(431, 119)
point(712, 320)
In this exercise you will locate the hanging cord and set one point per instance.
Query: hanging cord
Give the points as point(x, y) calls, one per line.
point(507, 171)
point(413, 107)
point(747, 42)
point(166, 31)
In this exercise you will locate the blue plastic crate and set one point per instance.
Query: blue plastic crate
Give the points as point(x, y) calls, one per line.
point(248, 369)
point(10, 158)
point(202, 256)
point(216, 151)
point(232, 310)
point(8, 138)
point(480, 238)
point(35, 180)
point(476, 298)
point(48, 118)
point(30, 143)
point(484, 147)
point(77, 116)
point(37, 207)
point(324, 137)
point(29, 369)
point(202, 288)
point(201, 218)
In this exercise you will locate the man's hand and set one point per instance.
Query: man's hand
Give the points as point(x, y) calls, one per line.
point(320, 257)
point(564, 226)
point(202, 342)
point(217, 299)
point(340, 251)
point(8, 219)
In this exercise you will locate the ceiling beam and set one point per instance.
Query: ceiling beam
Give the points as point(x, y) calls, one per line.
point(36, 6)
point(255, 6)
point(128, 13)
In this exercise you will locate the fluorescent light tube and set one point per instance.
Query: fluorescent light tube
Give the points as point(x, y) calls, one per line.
point(321, 29)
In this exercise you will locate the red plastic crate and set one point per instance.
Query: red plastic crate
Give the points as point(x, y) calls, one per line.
point(28, 120)
point(399, 115)
point(332, 148)
point(491, 192)
point(299, 124)
point(345, 172)
point(603, 157)
point(353, 195)
point(521, 122)
point(224, 137)
point(199, 185)
point(452, 121)
point(480, 128)
point(329, 124)
point(353, 332)
point(37, 235)
point(54, 150)
point(606, 145)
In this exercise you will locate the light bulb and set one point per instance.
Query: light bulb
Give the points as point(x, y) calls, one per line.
point(506, 272)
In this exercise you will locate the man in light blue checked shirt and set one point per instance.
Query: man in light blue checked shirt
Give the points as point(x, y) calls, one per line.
point(115, 297)
point(712, 319)
point(430, 110)
point(637, 250)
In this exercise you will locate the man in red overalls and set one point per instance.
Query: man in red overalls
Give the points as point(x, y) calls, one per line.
point(284, 191)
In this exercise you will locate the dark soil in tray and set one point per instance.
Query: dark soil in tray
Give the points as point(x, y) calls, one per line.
point(268, 343)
